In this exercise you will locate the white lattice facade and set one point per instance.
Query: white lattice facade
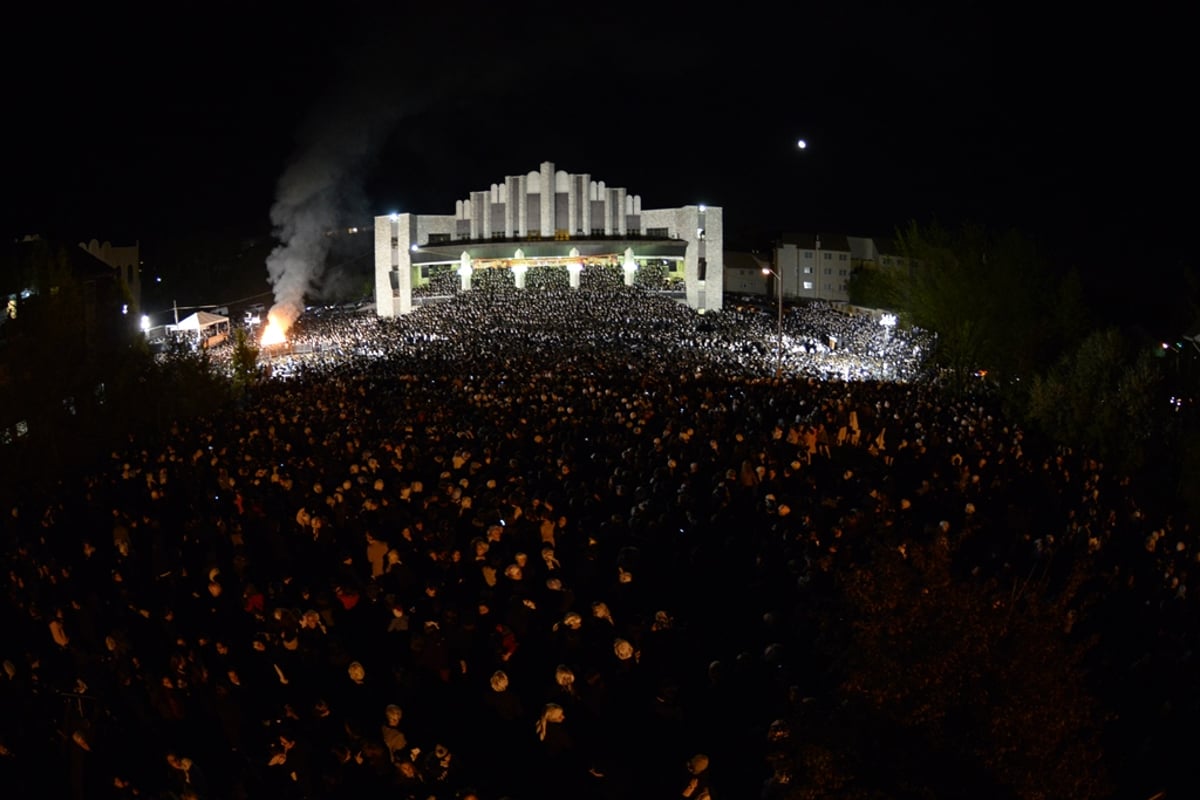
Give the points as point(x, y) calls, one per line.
point(550, 218)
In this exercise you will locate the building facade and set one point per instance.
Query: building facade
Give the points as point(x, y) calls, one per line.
point(814, 266)
point(744, 274)
point(550, 218)
point(126, 260)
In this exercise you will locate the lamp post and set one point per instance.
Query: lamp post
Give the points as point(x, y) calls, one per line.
point(779, 335)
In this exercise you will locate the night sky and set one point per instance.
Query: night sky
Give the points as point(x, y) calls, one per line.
point(1072, 130)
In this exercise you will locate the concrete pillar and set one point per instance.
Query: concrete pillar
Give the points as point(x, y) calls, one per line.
point(605, 196)
point(510, 199)
point(574, 267)
point(522, 201)
point(395, 236)
point(475, 210)
point(519, 269)
point(385, 266)
point(464, 271)
point(572, 205)
point(547, 200)
point(585, 204)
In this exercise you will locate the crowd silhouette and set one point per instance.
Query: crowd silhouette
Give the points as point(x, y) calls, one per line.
point(539, 543)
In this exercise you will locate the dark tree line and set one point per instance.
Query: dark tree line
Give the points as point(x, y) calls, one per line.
point(1012, 323)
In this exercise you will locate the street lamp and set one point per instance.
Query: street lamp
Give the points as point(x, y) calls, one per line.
point(779, 335)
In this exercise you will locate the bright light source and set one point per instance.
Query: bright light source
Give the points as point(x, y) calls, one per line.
point(125, 309)
point(801, 144)
point(702, 206)
point(766, 271)
point(393, 216)
point(145, 322)
point(274, 333)
point(888, 320)
point(413, 248)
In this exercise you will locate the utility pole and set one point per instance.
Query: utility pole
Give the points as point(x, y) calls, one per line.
point(175, 305)
point(779, 333)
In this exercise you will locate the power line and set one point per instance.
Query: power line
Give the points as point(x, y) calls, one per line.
point(259, 295)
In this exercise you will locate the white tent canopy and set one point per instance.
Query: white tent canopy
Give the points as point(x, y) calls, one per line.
point(210, 330)
point(201, 322)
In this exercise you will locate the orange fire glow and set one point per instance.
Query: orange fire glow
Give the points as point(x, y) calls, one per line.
point(274, 332)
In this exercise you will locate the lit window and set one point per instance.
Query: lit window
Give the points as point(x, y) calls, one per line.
point(808, 286)
point(808, 270)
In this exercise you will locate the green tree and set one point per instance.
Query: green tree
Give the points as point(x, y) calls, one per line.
point(186, 385)
point(1105, 395)
point(46, 350)
point(873, 287)
point(1071, 321)
point(990, 298)
point(245, 360)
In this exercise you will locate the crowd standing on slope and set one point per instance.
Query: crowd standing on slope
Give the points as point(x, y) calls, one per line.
point(547, 543)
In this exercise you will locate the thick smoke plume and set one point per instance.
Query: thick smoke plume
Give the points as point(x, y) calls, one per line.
point(323, 184)
point(320, 189)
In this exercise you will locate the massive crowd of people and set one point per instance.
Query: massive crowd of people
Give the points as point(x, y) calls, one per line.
point(540, 543)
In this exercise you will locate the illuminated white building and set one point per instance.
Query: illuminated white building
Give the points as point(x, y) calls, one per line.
point(549, 218)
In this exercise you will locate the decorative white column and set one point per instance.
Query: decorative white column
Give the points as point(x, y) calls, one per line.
point(574, 267)
point(605, 196)
point(510, 205)
point(476, 214)
point(546, 203)
point(464, 271)
point(585, 204)
point(519, 269)
point(629, 266)
point(522, 201)
point(572, 205)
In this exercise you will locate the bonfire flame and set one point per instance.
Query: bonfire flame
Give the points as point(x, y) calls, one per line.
point(274, 332)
